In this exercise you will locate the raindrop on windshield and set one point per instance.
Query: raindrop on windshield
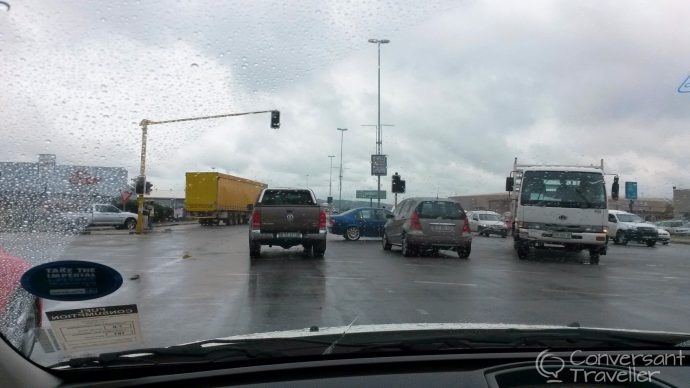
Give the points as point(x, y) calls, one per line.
point(194, 65)
point(4, 6)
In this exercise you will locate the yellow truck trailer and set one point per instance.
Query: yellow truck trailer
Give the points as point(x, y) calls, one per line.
point(212, 197)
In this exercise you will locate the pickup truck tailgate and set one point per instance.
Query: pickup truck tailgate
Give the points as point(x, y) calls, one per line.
point(303, 219)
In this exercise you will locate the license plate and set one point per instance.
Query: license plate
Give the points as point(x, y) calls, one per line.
point(289, 235)
point(442, 228)
point(562, 235)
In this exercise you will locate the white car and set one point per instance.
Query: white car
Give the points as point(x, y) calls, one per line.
point(675, 227)
point(664, 236)
point(487, 223)
point(624, 227)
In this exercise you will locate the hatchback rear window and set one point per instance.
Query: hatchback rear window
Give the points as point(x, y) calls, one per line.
point(441, 210)
point(287, 197)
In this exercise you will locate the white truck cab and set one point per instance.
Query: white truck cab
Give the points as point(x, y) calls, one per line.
point(559, 206)
point(624, 227)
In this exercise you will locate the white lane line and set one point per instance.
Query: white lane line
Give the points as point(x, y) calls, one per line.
point(578, 292)
point(520, 271)
point(423, 312)
point(671, 277)
point(335, 277)
point(643, 279)
point(423, 265)
point(651, 265)
point(388, 290)
point(446, 283)
point(343, 261)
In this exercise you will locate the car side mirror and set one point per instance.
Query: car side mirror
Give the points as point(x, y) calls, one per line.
point(250, 207)
point(510, 181)
point(389, 216)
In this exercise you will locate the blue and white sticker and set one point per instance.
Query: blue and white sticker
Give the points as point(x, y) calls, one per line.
point(71, 280)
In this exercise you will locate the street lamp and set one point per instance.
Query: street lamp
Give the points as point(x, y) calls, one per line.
point(340, 186)
point(379, 139)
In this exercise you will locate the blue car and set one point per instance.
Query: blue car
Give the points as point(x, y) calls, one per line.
point(360, 222)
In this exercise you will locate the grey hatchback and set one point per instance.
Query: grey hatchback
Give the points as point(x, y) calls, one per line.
point(428, 224)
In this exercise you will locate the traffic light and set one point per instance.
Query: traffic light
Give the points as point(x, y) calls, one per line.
point(614, 189)
point(275, 119)
point(401, 187)
point(139, 185)
point(395, 183)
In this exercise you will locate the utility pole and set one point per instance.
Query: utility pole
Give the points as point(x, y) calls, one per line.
point(379, 141)
point(340, 186)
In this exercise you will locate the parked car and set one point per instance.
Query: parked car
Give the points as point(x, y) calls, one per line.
point(486, 223)
point(675, 227)
point(664, 236)
point(624, 227)
point(20, 312)
point(428, 224)
point(101, 215)
point(360, 222)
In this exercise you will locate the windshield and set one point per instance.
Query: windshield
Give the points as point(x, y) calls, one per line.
point(629, 218)
point(170, 170)
point(563, 189)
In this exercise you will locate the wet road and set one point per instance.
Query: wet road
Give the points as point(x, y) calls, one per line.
point(195, 283)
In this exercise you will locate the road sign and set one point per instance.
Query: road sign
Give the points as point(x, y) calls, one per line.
point(379, 165)
point(631, 190)
point(370, 194)
point(685, 86)
point(125, 195)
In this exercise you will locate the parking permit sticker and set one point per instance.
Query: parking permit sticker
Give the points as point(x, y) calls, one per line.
point(96, 328)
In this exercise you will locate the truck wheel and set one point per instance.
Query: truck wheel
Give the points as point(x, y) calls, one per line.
point(319, 249)
point(504, 234)
point(254, 250)
point(352, 233)
point(385, 243)
point(523, 251)
point(651, 243)
point(464, 252)
point(130, 223)
point(407, 248)
point(594, 256)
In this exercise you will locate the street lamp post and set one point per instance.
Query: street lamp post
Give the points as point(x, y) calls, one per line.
point(330, 184)
point(340, 185)
point(379, 139)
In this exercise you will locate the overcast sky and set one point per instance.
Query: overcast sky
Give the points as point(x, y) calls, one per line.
point(468, 86)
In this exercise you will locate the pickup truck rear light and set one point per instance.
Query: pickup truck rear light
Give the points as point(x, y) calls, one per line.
point(414, 221)
point(256, 220)
point(322, 220)
point(466, 226)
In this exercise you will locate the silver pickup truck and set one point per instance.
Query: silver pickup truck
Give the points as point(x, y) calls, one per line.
point(286, 218)
point(102, 215)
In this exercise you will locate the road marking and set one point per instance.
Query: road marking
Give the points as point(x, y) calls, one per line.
point(423, 312)
point(423, 265)
point(388, 290)
point(446, 283)
point(651, 265)
point(335, 277)
point(519, 271)
point(343, 261)
point(578, 292)
point(670, 277)
point(632, 278)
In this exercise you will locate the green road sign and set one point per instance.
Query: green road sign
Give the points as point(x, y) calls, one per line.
point(370, 194)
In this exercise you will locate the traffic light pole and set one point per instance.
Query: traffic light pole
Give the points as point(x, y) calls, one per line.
point(275, 123)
